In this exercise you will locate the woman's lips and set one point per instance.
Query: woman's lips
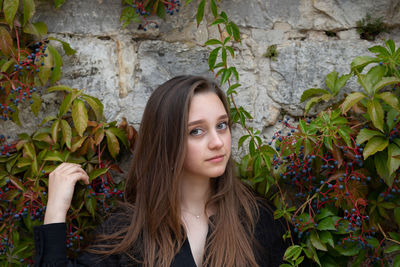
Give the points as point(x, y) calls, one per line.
point(216, 159)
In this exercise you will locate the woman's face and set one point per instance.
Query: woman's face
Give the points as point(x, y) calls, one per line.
point(209, 137)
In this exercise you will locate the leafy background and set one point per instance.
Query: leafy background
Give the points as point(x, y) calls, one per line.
point(332, 176)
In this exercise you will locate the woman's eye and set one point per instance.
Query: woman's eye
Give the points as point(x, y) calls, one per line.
point(222, 125)
point(196, 132)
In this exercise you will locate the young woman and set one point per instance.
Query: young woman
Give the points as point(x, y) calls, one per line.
point(183, 205)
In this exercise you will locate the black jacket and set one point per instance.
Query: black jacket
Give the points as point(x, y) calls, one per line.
point(50, 245)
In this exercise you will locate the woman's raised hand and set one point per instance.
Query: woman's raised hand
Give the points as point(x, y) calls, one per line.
point(61, 189)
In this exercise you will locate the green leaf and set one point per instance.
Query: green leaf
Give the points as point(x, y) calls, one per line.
point(67, 48)
point(37, 103)
point(331, 80)
point(391, 118)
point(223, 55)
point(344, 132)
point(392, 248)
point(38, 28)
point(10, 8)
point(236, 32)
point(65, 105)
point(120, 134)
point(79, 116)
point(232, 88)
point(29, 10)
point(359, 259)
point(161, 10)
point(377, 49)
point(390, 44)
point(396, 261)
point(373, 76)
point(47, 119)
point(312, 92)
point(375, 112)
point(58, 3)
point(374, 145)
point(54, 156)
point(242, 139)
point(96, 173)
point(325, 212)
point(212, 58)
point(44, 74)
point(54, 130)
point(128, 15)
point(6, 42)
point(57, 60)
point(217, 21)
point(224, 16)
point(390, 99)
point(373, 242)
point(90, 204)
point(316, 242)
point(213, 42)
point(349, 250)
point(29, 150)
point(231, 51)
point(351, 100)
point(385, 81)
point(366, 134)
point(112, 143)
point(396, 213)
point(393, 161)
point(67, 133)
point(326, 238)
point(200, 12)
point(225, 76)
point(59, 88)
point(7, 64)
point(292, 252)
point(15, 117)
point(360, 62)
point(214, 8)
point(380, 160)
point(96, 106)
point(327, 224)
point(341, 82)
point(311, 103)
point(395, 236)
point(76, 144)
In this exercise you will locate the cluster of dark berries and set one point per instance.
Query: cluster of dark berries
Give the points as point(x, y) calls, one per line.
point(323, 180)
point(143, 9)
point(6, 148)
point(12, 90)
point(103, 190)
point(18, 208)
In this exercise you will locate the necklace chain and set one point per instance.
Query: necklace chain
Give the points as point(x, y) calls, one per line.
point(197, 216)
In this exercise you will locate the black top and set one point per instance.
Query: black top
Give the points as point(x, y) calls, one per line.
point(50, 245)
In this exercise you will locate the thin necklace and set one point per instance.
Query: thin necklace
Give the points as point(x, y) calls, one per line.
point(197, 216)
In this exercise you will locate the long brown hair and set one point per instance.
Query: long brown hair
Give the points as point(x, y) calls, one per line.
point(154, 232)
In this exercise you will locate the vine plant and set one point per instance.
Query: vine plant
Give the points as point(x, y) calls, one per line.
point(334, 191)
point(28, 61)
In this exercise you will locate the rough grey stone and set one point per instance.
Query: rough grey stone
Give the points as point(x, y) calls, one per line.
point(95, 67)
point(95, 17)
point(304, 65)
point(158, 61)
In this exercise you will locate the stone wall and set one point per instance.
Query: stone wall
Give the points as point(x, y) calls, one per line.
point(123, 66)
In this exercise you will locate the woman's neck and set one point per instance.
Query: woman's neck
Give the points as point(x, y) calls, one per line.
point(195, 192)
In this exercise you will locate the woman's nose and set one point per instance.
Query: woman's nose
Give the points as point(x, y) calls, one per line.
point(215, 141)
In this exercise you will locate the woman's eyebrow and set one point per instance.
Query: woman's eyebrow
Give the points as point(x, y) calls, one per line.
point(225, 116)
